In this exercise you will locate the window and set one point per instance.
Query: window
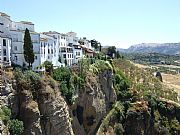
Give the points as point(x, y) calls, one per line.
point(36, 57)
point(51, 51)
point(15, 48)
point(4, 52)
point(48, 51)
point(4, 42)
point(64, 55)
point(1, 23)
point(4, 59)
point(78, 53)
point(15, 58)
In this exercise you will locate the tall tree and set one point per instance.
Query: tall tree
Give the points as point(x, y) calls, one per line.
point(28, 48)
point(111, 51)
point(100, 47)
point(96, 44)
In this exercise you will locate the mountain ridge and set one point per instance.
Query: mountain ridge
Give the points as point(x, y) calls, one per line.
point(163, 48)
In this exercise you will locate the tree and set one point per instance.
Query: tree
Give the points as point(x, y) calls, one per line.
point(118, 55)
point(95, 44)
point(62, 74)
point(111, 50)
point(28, 48)
point(100, 47)
point(48, 67)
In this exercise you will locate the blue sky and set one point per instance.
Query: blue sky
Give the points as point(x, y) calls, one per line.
point(112, 22)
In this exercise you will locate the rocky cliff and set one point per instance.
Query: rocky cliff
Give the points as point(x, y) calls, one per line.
point(43, 110)
point(102, 99)
point(93, 103)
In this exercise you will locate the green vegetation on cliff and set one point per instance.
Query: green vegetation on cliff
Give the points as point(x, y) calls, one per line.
point(144, 105)
point(140, 94)
point(15, 126)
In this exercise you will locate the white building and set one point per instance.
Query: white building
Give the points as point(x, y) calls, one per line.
point(5, 40)
point(48, 46)
point(87, 49)
point(17, 34)
point(73, 42)
point(64, 47)
point(49, 50)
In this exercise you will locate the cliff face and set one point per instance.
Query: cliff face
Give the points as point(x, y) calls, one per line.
point(93, 102)
point(6, 93)
point(97, 109)
point(140, 119)
point(43, 111)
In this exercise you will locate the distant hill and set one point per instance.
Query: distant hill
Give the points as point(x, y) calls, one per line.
point(165, 48)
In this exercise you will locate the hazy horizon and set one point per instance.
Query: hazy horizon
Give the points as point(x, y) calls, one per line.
point(116, 22)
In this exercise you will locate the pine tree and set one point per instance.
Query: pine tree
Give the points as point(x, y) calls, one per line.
point(28, 48)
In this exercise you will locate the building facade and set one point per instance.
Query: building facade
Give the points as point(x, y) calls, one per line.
point(5, 40)
point(17, 32)
point(59, 48)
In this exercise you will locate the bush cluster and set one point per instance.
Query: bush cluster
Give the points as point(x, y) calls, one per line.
point(15, 126)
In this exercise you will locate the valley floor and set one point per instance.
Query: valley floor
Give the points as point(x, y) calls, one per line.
point(172, 81)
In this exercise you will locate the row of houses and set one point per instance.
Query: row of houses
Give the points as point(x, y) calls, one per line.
point(48, 46)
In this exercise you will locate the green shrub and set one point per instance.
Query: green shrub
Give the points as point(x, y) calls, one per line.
point(63, 88)
point(34, 79)
point(152, 101)
point(48, 66)
point(162, 108)
point(62, 74)
point(18, 74)
point(5, 114)
point(119, 130)
point(16, 127)
point(100, 66)
point(67, 92)
point(122, 85)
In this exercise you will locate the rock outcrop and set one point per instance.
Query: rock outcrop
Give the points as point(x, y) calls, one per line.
point(44, 111)
point(93, 102)
point(6, 91)
point(3, 129)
